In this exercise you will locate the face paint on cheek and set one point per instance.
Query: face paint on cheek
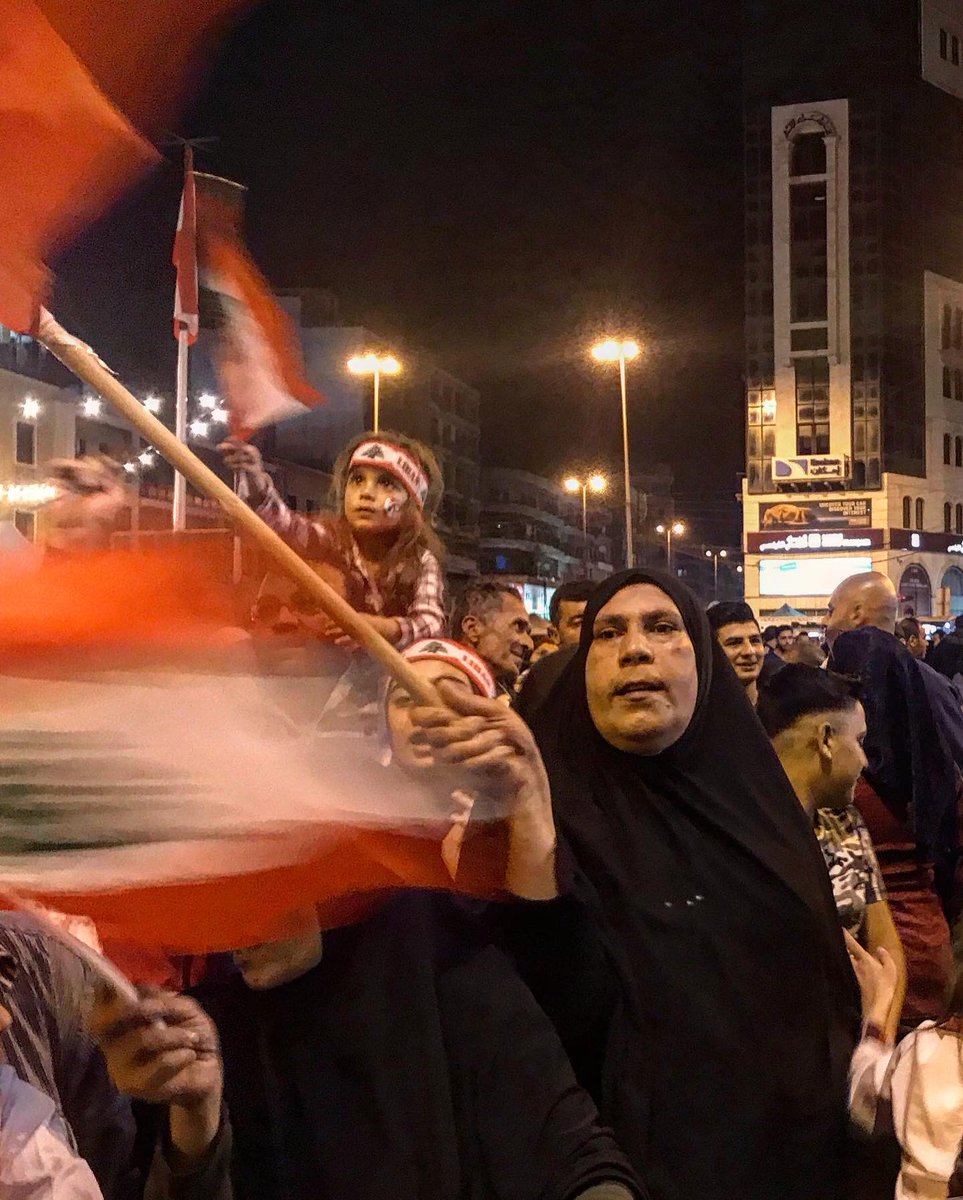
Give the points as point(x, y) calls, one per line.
point(392, 506)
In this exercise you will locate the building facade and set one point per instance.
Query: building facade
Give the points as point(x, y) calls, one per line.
point(853, 129)
point(531, 534)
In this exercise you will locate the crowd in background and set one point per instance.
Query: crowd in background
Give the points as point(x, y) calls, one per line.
point(720, 963)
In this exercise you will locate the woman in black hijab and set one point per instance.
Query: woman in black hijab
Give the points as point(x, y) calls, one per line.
point(723, 1060)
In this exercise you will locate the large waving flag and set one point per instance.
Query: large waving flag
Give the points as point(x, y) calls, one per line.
point(259, 360)
point(73, 78)
point(185, 257)
point(153, 781)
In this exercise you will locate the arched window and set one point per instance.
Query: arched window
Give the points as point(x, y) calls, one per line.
point(919, 512)
point(947, 442)
point(907, 512)
point(915, 592)
point(947, 517)
point(808, 155)
point(947, 383)
point(953, 582)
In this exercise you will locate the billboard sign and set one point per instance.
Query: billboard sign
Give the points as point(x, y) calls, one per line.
point(819, 466)
point(808, 576)
point(815, 514)
point(814, 541)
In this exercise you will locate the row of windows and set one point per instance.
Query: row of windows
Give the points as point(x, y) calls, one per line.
point(952, 518)
point(952, 447)
point(949, 47)
point(951, 328)
point(908, 512)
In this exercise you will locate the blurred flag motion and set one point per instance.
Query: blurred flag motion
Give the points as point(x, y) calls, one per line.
point(150, 780)
point(259, 360)
point(78, 81)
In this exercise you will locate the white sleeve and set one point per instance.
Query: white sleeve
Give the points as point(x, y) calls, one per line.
point(870, 1075)
point(35, 1164)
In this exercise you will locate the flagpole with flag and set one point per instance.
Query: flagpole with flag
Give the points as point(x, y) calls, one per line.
point(185, 317)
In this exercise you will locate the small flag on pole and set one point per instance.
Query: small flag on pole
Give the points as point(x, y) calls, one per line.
point(258, 357)
point(185, 257)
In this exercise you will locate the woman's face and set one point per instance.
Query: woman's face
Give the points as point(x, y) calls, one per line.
point(640, 675)
point(411, 752)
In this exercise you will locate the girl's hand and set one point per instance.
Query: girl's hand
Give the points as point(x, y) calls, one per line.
point(877, 978)
point(240, 456)
point(388, 627)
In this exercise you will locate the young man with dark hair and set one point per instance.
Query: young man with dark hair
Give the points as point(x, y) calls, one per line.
point(785, 637)
point(566, 607)
point(739, 635)
point(910, 633)
point(491, 618)
point(817, 726)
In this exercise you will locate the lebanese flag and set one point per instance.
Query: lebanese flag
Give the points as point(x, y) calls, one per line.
point(185, 257)
point(73, 78)
point(155, 781)
point(258, 357)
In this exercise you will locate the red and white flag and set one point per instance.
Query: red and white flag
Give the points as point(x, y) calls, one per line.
point(185, 257)
point(258, 357)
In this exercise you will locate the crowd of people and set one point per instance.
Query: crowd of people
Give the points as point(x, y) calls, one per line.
point(719, 962)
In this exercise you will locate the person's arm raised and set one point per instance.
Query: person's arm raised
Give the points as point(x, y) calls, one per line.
point(498, 753)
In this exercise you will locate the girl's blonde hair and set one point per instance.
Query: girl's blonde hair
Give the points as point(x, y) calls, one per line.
point(401, 566)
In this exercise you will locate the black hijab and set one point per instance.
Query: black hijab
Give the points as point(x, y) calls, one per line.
point(910, 766)
point(726, 1068)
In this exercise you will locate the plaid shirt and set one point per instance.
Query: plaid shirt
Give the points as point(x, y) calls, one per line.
point(316, 538)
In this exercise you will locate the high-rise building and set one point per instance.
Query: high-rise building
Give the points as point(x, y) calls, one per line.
point(854, 300)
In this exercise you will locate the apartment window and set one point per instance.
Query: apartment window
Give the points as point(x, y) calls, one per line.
point(812, 405)
point(959, 452)
point(946, 449)
point(907, 512)
point(920, 512)
point(947, 518)
point(947, 383)
point(292, 503)
point(81, 447)
point(955, 51)
point(26, 524)
point(26, 443)
point(959, 518)
point(944, 44)
point(808, 252)
point(945, 327)
point(958, 384)
point(958, 328)
point(808, 155)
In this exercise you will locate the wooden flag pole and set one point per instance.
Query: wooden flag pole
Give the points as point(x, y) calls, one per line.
point(84, 363)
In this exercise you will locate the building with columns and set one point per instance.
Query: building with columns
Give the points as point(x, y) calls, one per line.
point(853, 141)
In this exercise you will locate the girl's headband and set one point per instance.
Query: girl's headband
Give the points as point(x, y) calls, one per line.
point(398, 462)
point(459, 656)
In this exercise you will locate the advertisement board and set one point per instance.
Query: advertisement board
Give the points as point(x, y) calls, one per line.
point(808, 576)
point(815, 541)
point(813, 514)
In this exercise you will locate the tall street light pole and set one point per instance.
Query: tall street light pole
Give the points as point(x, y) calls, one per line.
point(596, 484)
point(673, 529)
point(376, 365)
point(616, 350)
point(715, 556)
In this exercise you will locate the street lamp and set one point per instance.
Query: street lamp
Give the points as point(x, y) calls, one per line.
point(377, 365)
point(715, 555)
point(609, 351)
point(674, 529)
point(596, 484)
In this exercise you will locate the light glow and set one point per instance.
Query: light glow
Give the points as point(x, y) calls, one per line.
point(208, 401)
point(146, 458)
point(597, 484)
point(370, 363)
point(153, 404)
point(220, 416)
point(614, 349)
point(30, 408)
point(199, 428)
point(27, 494)
point(92, 406)
point(572, 485)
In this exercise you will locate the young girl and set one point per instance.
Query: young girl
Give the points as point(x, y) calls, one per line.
point(386, 490)
point(915, 1087)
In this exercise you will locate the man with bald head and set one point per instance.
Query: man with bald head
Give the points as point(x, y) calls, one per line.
point(866, 599)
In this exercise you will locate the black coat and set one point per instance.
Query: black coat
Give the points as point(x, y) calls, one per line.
point(411, 1063)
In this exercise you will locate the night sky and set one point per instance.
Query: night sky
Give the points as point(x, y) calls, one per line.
point(495, 182)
